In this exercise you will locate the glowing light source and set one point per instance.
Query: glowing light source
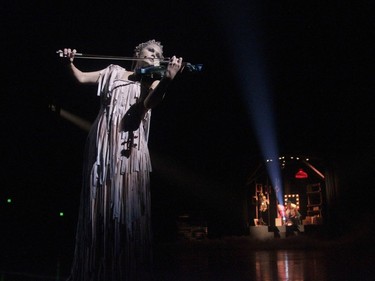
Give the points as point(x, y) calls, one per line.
point(301, 174)
point(292, 197)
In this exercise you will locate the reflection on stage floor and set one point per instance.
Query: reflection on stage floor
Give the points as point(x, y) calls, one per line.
point(226, 259)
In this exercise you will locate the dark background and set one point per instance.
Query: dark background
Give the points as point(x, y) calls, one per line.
point(319, 65)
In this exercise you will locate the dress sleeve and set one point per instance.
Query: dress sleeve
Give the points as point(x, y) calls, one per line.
point(107, 77)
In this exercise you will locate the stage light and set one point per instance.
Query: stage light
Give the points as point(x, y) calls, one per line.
point(9, 200)
point(301, 174)
point(294, 197)
point(61, 214)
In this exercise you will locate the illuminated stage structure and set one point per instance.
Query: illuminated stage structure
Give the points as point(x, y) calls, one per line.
point(303, 182)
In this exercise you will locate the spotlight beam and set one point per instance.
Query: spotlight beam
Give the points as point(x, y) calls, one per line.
point(242, 27)
point(75, 119)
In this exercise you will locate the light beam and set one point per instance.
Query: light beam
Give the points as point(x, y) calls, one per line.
point(244, 32)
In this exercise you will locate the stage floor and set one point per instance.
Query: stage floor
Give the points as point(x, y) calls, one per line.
point(264, 232)
point(246, 259)
point(243, 258)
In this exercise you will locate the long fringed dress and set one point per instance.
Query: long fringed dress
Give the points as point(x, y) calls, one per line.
point(113, 239)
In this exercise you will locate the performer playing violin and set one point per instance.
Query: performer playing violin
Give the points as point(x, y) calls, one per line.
point(113, 240)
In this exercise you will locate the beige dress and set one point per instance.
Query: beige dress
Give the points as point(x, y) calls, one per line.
point(113, 240)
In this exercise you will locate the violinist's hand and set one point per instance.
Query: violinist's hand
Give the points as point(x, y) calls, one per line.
point(174, 66)
point(68, 54)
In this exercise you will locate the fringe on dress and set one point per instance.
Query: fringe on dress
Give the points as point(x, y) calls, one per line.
point(113, 239)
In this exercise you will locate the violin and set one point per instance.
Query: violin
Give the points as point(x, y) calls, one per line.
point(156, 71)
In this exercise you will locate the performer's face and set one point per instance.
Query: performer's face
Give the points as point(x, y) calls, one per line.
point(151, 53)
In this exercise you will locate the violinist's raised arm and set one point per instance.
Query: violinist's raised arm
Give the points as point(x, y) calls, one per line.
point(149, 54)
point(80, 76)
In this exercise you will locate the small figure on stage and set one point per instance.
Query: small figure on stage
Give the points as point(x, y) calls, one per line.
point(263, 208)
point(293, 217)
